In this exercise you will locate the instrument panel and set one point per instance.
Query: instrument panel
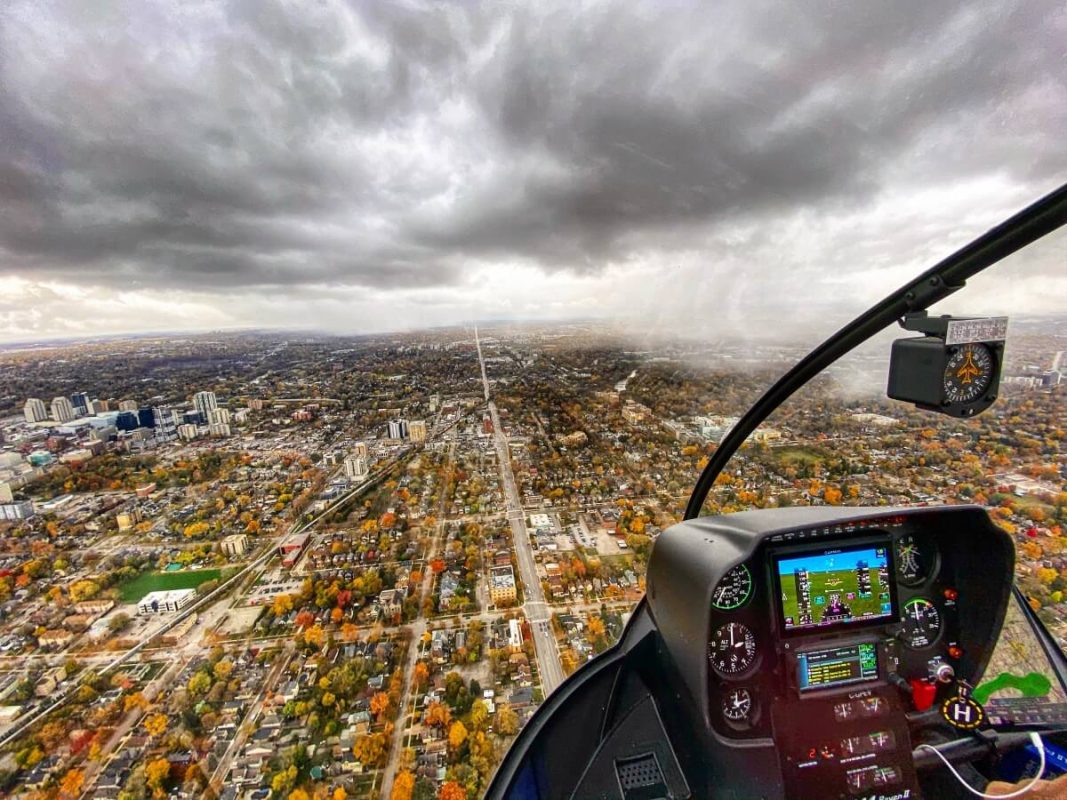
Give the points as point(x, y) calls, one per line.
point(891, 580)
point(827, 629)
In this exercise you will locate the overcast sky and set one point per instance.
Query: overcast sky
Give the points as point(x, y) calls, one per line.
point(375, 165)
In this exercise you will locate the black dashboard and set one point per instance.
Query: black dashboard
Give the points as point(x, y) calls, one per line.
point(828, 638)
point(786, 653)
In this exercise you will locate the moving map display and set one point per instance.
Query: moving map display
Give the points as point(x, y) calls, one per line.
point(836, 586)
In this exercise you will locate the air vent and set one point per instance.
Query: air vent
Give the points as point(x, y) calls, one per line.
point(641, 778)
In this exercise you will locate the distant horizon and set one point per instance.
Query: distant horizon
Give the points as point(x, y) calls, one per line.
point(16, 344)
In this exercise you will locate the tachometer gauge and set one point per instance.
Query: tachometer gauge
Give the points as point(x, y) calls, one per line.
point(922, 623)
point(737, 707)
point(915, 562)
point(733, 590)
point(968, 373)
point(732, 649)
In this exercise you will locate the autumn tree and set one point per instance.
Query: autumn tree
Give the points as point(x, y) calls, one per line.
point(156, 774)
point(403, 786)
point(422, 675)
point(71, 785)
point(379, 704)
point(457, 735)
point(507, 721)
point(156, 724)
point(437, 715)
point(479, 715)
point(370, 749)
point(452, 791)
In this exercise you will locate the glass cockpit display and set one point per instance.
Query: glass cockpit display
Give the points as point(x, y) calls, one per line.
point(837, 586)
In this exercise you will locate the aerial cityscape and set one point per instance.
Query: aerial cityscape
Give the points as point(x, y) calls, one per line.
point(353, 567)
point(359, 361)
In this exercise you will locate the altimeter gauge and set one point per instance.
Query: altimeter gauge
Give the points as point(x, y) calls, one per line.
point(732, 649)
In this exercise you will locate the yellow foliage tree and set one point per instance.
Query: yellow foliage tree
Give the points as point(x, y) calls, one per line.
point(156, 774)
point(156, 724)
point(457, 735)
point(370, 749)
point(403, 786)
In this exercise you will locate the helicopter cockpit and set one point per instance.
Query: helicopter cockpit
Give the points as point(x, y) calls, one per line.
point(870, 653)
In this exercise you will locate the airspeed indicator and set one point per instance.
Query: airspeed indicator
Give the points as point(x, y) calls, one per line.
point(734, 590)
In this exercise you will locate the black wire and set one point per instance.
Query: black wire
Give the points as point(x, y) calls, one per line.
point(938, 282)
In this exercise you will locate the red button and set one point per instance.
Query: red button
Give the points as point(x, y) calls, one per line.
point(955, 652)
point(951, 594)
point(923, 693)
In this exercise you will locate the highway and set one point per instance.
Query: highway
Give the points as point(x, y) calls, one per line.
point(535, 607)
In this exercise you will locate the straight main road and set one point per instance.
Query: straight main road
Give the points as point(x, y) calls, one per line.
point(536, 609)
point(409, 695)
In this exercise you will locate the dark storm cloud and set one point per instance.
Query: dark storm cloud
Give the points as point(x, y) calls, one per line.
point(384, 145)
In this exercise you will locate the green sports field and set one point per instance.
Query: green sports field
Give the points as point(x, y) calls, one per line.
point(135, 589)
point(841, 582)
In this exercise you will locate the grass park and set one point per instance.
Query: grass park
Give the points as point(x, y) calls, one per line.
point(136, 588)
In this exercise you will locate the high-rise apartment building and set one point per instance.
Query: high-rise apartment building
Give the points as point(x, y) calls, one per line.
point(356, 468)
point(219, 416)
point(127, 405)
point(80, 402)
point(166, 424)
point(361, 450)
point(205, 403)
point(35, 410)
point(62, 409)
point(417, 430)
point(398, 429)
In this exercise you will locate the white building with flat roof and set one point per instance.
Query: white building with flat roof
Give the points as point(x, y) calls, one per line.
point(166, 602)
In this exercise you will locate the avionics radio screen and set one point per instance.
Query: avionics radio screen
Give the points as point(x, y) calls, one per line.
point(837, 666)
point(836, 586)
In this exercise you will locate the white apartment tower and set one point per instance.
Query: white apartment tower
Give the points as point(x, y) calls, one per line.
point(35, 410)
point(205, 403)
point(356, 467)
point(62, 409)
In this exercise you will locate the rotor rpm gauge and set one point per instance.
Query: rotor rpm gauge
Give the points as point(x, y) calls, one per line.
point(734, 590)
point(968, 373)
point(738, 707)
point(922, 623)
point(732, 649)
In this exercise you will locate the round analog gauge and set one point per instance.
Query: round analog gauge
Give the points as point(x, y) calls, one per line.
point(968, 373)
point(922, 623)
point(915, 562)
point(732, 649)
point(733, 590)
point(737, 707)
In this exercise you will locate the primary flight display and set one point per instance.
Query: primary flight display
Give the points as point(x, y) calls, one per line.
point(835, 586)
